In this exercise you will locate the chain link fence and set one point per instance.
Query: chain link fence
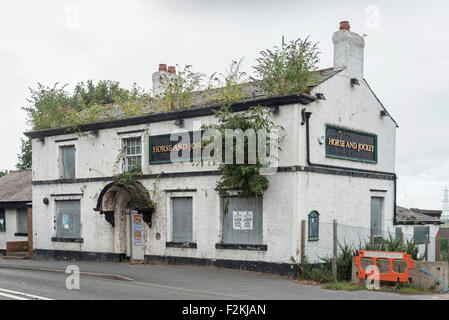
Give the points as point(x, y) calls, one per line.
point(329, 248)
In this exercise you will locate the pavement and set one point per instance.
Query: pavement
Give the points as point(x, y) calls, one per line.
point(31, 279)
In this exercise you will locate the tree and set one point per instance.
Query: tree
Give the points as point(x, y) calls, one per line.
point(24, 157)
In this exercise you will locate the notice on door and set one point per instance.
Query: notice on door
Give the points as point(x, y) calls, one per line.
point(242, 220)
point(65, 221)
point(137, 230)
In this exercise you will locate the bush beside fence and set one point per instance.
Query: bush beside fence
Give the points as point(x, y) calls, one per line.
point(329, 257)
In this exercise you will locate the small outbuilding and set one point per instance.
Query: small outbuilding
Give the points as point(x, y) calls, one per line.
point(418, 226)
point(15, 199)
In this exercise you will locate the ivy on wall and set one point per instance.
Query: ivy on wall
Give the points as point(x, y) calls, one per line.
point(245, 177)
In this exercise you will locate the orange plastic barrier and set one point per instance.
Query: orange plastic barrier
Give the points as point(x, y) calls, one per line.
point(391, 257)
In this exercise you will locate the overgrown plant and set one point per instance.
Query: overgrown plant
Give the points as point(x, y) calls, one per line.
point(227, 87)
point(322, 272)
point(55, 107)
point(244, 178)
point(127, 175)
point(289, 68)
point(179, 89)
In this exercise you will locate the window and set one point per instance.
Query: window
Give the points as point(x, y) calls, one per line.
point(133, 154)
point(67, 156)
point(242, 224)
point(22, 221)
point(314, 217)
point(376, 215)
point(2, 220)
point(397, 233)
point(420, 233)
point(68, 219)
point(182, 227)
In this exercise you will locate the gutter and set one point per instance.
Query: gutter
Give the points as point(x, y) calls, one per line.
point(306, 117)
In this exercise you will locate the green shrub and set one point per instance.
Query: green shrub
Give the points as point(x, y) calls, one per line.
point(322, 272)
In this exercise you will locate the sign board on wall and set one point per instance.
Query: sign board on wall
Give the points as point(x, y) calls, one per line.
point(161, 146)
point(352, 145)
point(138, 230)
point(242, 220)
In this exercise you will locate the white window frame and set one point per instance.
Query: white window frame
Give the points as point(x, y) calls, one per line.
point(125, 152)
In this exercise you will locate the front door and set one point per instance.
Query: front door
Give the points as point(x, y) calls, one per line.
point(137, 237)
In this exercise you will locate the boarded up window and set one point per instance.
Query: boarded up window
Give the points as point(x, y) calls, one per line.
point(22, 220)
point(182, 230)
point(68, 162)
point(2, 220)
point(242, 224)
point(397, 233)
point(68, 219)
point(419, 234)
point(376, 215)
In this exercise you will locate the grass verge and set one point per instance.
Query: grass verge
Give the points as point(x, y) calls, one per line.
point(342, 285)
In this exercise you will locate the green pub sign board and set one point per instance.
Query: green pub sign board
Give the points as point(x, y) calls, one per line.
point(352, 145)
point(161, 147)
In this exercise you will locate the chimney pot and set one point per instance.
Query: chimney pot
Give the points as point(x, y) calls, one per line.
point(172, 69)
point(162, 67)
point(344, 25)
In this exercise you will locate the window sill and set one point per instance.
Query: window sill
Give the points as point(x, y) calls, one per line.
point(191, 245)
point(76, 240)
point(250, 247)
point(21, 234)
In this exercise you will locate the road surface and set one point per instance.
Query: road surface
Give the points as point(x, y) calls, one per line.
point(172, 282)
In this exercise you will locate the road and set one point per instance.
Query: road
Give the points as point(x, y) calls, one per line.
point(171, 282)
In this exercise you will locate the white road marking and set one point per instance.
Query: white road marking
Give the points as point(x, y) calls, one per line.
point(20, 295)
point(11, 296)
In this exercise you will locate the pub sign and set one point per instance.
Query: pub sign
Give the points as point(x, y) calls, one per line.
point(161, 146)
point(349, 144)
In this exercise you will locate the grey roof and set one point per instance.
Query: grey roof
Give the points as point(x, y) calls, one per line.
point(432, 213)
point(16, 187)
point(408, 216)
point(251, 91)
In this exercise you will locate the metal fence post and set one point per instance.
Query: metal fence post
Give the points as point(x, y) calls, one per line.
point(334, 260)
point(303, 245)
point(426, 253)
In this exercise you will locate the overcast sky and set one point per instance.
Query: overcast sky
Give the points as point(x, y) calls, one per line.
point(406, 59)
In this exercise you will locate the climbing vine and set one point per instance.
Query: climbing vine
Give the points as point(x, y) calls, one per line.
point(245, 177)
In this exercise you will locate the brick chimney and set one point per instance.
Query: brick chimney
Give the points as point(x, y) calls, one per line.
point(348, 51)
point(162, 78)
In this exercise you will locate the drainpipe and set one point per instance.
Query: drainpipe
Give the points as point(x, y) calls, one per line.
point(306, 117)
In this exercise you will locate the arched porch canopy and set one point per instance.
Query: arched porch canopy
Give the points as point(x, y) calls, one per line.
point(139, 200)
